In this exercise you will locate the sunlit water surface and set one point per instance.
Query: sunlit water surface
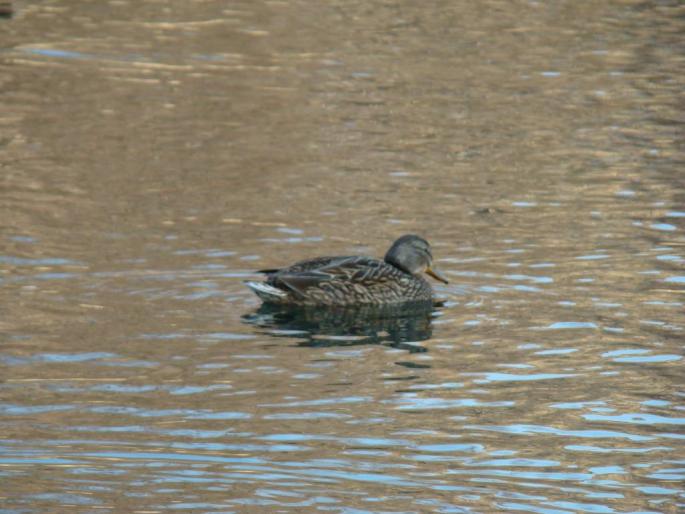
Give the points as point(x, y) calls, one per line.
point(153, 154)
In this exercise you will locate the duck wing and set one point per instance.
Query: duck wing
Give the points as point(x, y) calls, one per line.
point(314, 273)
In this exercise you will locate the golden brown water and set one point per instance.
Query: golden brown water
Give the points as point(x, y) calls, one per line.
point(153, 154)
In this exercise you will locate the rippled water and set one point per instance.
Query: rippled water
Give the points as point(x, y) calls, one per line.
point(153, 154)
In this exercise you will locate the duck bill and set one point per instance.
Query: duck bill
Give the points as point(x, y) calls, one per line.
point(437, 275)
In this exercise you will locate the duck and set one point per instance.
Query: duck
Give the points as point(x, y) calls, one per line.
point(354, 280)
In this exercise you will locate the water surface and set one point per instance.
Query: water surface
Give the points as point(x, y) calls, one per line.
point(154, 154)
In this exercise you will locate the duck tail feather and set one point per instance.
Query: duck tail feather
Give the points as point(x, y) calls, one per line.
point(266, 292)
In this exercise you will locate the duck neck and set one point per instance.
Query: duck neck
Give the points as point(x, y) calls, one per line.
point(389, 259)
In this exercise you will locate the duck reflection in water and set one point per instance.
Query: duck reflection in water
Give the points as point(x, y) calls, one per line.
point(400, 327)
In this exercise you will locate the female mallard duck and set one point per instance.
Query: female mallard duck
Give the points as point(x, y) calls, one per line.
point(355, 280)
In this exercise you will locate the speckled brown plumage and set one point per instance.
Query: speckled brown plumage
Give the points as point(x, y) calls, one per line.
point(348, 281)
point(354, 280)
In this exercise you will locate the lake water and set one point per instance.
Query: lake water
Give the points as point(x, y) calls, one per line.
point(154, 154)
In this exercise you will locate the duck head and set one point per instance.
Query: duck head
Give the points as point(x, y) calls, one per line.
point(412, 254)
